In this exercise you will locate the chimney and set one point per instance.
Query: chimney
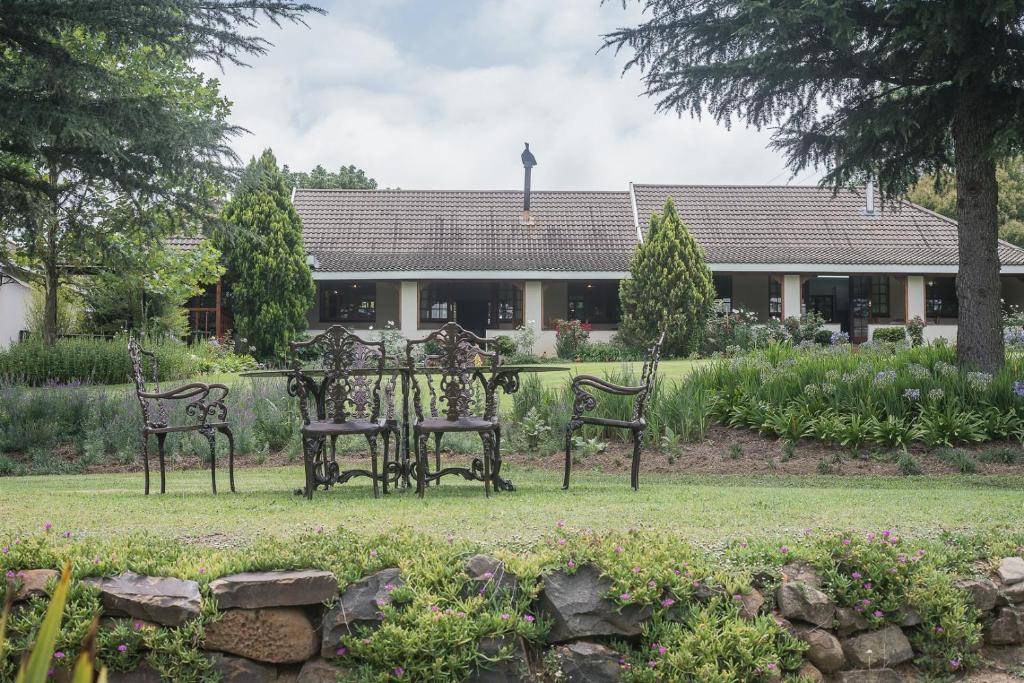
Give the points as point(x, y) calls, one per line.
point(529, 161)
point(869, 204)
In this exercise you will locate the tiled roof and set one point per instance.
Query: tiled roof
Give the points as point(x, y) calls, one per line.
point(807, 225)
point(404, 230)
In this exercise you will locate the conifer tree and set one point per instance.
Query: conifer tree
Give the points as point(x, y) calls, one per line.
point(270, 286)
point(670, 286)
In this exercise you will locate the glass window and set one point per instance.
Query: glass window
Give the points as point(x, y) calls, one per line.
point(723, 293)
point(436, 303)
point(880, 297)
point(774, 299)
point(506, 304)
point(348, 302)
point(824, 305)
point(940, 297)
point(594, 302)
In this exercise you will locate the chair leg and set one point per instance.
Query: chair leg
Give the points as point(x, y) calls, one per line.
point(387, 441)
point(372, 439)
point(160, 439)
point(226, 431)
point(309, 445)
point(569, 429)
point(145, 459)
point(437, 455)
point(211, 436)
point(421, 463)
point(488, 439)
point(634, 476)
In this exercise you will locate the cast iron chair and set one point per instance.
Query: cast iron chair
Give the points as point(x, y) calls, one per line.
point(347, 402)
point(461, 358)
point(210, 415)
point(585, 402)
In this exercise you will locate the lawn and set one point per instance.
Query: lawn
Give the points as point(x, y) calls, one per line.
point(703, 508)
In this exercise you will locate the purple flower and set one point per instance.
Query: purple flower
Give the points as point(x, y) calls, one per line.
point(637, 570)
point(5, 550)
point(122, 648)
point(784, 549)
point(67, 534)
point(954, 663)
point(341, 651)
point(528, 618)
point(618, 549)
point(879, 613)
point(398, 671)
point(1018, 388)
point(373, 553)
point(855, 575)
point(624, 596)
point(846, 541)
point(870, 536)
point(504, 616)
point(560, 524)
point(561, 541)
point(137, 626)
point(58, 655)
point(668, 602)
point(652, 664)
point(570, 564)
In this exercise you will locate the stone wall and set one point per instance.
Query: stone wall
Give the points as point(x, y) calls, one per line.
point(277, 626)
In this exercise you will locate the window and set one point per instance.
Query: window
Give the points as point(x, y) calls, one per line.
point(440, 301)
point(436, 304)
point(880, 297)
point(594, 302)
point(824, 305)
point(506, 305)
point(774, 299)
point(203, 313)
point(723, 293)
point(940, 298)
point(348, 302)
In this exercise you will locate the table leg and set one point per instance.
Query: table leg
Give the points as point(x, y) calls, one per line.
point(404, 448)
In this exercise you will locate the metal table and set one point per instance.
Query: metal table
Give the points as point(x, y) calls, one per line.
point(504, 376)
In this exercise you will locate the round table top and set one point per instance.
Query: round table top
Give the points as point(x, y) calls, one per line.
point(417, 370)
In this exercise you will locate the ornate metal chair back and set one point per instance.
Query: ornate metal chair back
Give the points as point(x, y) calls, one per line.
point(459, 355)
point(353, 373)
point(154, 413)
point(647, 377)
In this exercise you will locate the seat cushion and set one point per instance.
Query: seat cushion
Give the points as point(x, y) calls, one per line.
point(465, 424)
point(349, 427)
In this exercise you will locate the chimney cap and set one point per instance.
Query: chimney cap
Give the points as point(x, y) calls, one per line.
point(529, 161)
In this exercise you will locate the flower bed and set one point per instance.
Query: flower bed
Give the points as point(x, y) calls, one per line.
point(632, 607)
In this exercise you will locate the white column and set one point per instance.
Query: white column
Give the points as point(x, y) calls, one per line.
point(533, 305)
point(915, 296)
point(408, 307)
point(791, 296)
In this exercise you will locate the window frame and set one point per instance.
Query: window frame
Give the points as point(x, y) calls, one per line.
point(335, 288)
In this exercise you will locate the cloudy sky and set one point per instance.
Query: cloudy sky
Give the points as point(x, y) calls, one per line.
point(442, 94)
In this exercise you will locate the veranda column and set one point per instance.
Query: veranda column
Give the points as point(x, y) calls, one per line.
point(533, 305)
point(791, 296)
point(408, 307)
point(915, 296)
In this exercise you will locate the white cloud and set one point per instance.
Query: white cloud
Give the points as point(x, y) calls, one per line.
point(354, 91)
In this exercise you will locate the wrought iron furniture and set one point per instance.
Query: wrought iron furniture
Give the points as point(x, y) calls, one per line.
point(347, 403)
point(584, 402)
point(210, 415)
point(461, 359)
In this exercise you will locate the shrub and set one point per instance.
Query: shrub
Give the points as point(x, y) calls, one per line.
point(891, 335)
point(915, 330)
point(823, 337)
point(959, 459)
point(570, 337)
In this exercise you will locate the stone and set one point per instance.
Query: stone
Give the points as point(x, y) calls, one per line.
point(251, 590)
point(1007, 628)
point(982, 591)
point(824, 649)
point(31, 582)
point(705, 592)
point(801, 572)
point(360, 604)
point(849, 621)
point(143, 673)
point(870, 676)
point(1013, 595)
point(514, 667)
point(750, 604)
point(798, 600)
point(878, 649)
point(809, 672)
point(240, 670)
point(164, 600)
point(276, 635)
point(578, 609)
point(485, 571)
point(1011, 570)
point(585, 662)
point(909, 617)
point(320, 671)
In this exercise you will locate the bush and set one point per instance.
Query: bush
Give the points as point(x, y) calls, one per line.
point(570, 337)
point(915, 330)
point(823, 337)
point(890, 335)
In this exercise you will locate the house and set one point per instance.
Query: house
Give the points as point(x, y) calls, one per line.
point(15, 295)
point(495, 260)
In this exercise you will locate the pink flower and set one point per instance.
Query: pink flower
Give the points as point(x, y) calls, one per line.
point(320, 529)
point(561, 541)
point(504, 616)
point(652, 584)
point(855, 575)
point(624, 596)
point(202, 570)
point(5, 550)
point(870, 536)
point(67, 534)
point(637, 570)
point(662, 650)
point(668, 602)
point(373, 553)
point(618, 549)
point(784, 549)
point(879, 613)
point(341, 651)
point(528, 618)
point(58, 655)
point(560, 524)
point(652, 664)
point(122, 648)
point(570, 564)
point(846, 541)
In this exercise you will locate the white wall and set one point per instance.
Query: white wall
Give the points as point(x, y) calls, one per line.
point(14, 300)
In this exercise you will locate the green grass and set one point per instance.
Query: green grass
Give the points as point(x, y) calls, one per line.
point(704, 508)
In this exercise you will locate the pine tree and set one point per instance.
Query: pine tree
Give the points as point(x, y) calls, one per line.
point(270, 285)
point(670, 286)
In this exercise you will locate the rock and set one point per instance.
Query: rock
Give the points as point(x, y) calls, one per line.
point(485, 571)
point(705, 592)
point(277, 635)
point(514, 667)
point(578, 608)
point(143, 673)
point(849, 621)
point(809, 672)
point(909, 617)
point(824, 649)
point(31, 582)
point(982, 591)
point(1011, 570)
point(584, 662)
point(1007, 628)
point(240, 670)
point(1013, 595)
point(251, 590)
point(750, 604)
point(320, 671)
point(883, 648)
point(164, 600)
point(870, 676)
point(360, 604)
point(798, 600)
point(801, 572)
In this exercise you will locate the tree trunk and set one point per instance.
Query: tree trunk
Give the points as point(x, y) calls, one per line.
point(979, 334)
point(50, 289)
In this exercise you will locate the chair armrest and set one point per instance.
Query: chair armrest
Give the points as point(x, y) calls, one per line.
point(178, 393)
point(605, 385)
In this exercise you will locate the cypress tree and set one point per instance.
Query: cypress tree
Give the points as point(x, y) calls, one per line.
point(670, 285)
point(270, 286)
